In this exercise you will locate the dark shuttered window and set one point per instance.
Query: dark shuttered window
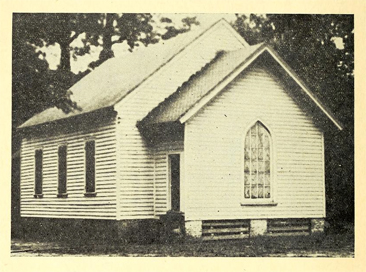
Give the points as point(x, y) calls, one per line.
point(38, 173)
point(90, 168)
point(62, 171)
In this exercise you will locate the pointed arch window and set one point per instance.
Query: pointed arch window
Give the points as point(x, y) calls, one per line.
point(257, 163)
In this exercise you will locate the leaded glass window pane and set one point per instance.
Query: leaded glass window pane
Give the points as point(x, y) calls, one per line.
point(257, 163)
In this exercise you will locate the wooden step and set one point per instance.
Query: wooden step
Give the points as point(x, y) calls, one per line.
point(289, 228)
point(225, 230)
point(288, 224)
point(287, 233)
point(293, 222)
point(225, 237)
point(218, 224)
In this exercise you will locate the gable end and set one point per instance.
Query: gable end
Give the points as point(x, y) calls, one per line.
point(246, 63)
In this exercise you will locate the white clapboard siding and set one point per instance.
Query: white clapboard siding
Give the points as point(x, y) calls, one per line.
point(214, 177)
point(76, 205)
point(131, 147)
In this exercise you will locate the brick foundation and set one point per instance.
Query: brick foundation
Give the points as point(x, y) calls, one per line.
point(317, 225)
point(258, 227)
point(194, 228)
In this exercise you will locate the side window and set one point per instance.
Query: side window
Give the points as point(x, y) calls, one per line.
point(90, 168)
point(257, 163)
point(38, 173)
point(62, 171)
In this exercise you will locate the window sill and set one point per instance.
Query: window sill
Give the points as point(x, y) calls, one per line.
point(63, 195)
point(38, 195)
point(258, 203)
point(90, 194)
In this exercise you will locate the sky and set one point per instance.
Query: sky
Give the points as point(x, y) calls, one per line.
point(81, 63)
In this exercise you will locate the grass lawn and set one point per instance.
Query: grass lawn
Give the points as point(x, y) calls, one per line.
point(327, 245)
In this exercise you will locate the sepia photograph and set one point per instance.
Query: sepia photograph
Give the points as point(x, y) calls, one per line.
point(195, 135)
point(185, 135)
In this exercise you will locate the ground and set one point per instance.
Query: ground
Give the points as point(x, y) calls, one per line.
point(328, 245)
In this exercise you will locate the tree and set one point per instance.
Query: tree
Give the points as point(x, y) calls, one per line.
point(134, 28)
point(36, 30)
point(172, 31)
point(29, 73)
point(116, 28)
point(44, 29)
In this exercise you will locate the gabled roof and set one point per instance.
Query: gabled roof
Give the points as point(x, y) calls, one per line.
point(175, 106)
point(116, 78)
point(204, 86)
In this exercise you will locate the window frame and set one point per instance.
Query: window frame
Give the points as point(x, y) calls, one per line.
point(86, 192)
point(61, 194)
point(260, 201)
point(38, 194)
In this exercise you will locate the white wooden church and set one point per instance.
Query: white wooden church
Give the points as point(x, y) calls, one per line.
point(223, 133)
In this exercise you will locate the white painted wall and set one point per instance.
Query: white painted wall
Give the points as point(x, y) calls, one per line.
point(136, 161)
point(214, 153)
point(76, 205)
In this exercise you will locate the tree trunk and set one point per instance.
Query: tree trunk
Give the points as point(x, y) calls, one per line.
point(107, 51)
point(65, 64)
